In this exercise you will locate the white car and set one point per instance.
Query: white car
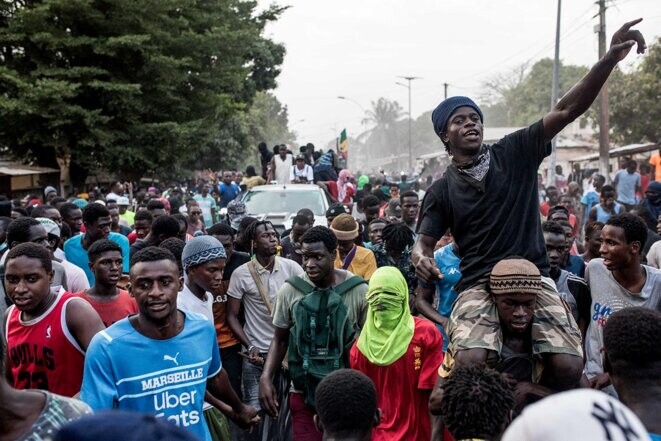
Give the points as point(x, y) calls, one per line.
point(280, 203)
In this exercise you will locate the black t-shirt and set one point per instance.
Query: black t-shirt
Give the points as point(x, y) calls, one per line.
point(237, 259)
point(289, 251)
point(138, 245)
point(581, 292)
point(501, 221)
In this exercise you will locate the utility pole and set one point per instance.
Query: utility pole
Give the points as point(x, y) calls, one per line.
point(603, 99)
point(445, 90)
point(409, 79)
point(554, 95)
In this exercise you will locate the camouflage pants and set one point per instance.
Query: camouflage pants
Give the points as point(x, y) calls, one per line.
point(474, 323)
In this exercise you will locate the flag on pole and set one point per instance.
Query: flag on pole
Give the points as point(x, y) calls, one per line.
point(344, 142)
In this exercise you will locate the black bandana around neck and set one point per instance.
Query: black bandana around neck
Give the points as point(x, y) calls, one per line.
point(475, 170)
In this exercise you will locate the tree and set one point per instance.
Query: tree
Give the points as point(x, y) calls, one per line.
point(384, 136)
point(268, 121)
point(236, 140)
point(635, 100)
point(525, 95)
point(133, 86)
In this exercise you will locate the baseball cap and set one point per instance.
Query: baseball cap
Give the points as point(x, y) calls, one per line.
point(236, 211)
point(50, 226)
point(336, 210)
point(123, 200)
point(580, 414)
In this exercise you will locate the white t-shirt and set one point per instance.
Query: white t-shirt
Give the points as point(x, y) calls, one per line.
point(608, 297)
point(654, 255)
point(306, 173)
point(59, 254)
point(113, 196)
point(76, 277)
point(187, 301)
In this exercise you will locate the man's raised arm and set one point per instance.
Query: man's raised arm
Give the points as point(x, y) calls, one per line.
point(579, 98)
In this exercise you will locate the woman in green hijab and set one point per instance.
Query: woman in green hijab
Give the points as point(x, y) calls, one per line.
point(401, 354)
point(388, 329)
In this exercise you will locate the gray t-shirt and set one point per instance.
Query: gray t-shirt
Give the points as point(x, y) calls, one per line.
point(626, 186)
point(608, 296)
point(259, 327)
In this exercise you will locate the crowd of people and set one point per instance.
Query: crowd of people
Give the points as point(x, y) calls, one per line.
point(477, 307)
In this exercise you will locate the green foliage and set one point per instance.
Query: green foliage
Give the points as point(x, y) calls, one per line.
point(635, 101)
point(523, 96)
point(267, 121)
point(132, 86)
point(235, 142)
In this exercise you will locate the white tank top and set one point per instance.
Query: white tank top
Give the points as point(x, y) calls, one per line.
point(282, 168)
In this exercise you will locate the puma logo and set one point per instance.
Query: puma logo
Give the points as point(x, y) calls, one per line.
point(172, 359)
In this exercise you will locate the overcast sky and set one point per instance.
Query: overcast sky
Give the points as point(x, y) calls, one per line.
point(357, 48)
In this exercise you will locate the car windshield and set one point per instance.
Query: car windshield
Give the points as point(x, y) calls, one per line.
point(260, 202)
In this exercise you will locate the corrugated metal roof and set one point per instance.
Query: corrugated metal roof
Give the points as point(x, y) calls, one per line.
point(22, 170)
point(630, 149)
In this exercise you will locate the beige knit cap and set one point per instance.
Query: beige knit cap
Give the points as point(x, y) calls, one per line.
point(345, 227)
point(515, 276)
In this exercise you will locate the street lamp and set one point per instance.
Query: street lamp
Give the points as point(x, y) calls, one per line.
point(340, 97)
point(408, 86)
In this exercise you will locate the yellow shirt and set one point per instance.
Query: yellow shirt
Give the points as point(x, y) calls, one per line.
point(363, 263)
point(253, 181)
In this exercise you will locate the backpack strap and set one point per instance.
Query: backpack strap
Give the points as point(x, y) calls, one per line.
point(349, 284)
point(300, 284)
point(349, 258)
point(260, 286)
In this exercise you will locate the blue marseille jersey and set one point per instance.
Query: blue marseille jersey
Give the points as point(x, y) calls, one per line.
point(448, 263)
point(166, 378)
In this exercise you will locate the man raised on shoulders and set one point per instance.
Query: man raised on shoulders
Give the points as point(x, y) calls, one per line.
point(488, 198)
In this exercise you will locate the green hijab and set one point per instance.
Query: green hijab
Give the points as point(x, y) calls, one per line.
point(362, 181)
point(389, 326)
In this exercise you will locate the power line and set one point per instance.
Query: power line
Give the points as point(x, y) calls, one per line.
point(573, 26)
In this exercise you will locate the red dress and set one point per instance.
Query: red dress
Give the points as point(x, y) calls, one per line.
point(403, 388)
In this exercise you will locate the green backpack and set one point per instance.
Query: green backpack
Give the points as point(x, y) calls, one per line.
point(320, 340)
